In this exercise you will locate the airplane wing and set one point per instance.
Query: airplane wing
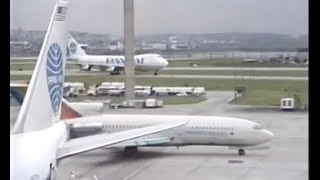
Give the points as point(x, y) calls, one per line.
point(156, 141)
point(84, 144)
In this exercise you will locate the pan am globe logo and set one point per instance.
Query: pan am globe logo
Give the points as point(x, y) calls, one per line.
point(73, 48)
point(55, 75)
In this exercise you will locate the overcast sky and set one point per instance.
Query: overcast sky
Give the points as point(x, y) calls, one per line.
point(169, 16)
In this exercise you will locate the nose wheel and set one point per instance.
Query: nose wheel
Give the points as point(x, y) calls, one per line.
point(241, 152)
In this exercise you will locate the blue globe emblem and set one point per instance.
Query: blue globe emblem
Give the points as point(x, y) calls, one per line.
point(55, 75)
point(73, 48)
point(68, 53)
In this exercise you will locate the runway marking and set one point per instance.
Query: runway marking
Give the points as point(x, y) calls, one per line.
point(137, 171)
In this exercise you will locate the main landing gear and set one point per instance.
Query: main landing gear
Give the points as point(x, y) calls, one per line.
point(114, 73)
point(52, 171)
point(156, 73)
point(241, 152)
point(130, 150)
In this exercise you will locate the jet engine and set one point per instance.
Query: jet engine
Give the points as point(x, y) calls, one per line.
point(81, 129)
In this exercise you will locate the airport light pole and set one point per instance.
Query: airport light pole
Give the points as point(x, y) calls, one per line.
point(129, 48)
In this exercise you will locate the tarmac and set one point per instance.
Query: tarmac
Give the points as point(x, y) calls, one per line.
point(239, 68)
point(287, 157)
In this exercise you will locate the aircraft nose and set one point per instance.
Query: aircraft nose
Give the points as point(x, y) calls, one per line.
point(268, 135)
point(164, 62)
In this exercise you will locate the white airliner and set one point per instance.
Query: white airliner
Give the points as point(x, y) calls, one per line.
point(114, 64)
point(200, 130)
point(38, 138)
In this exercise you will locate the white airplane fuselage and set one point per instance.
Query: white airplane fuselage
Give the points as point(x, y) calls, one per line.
point(143, 63)
point(200, 130)
point(37, 151)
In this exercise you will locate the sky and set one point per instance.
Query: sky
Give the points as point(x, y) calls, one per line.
point(169, 16)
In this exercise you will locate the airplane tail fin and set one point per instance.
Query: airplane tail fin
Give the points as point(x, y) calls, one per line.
point(67, 112)
point(41, 107)
point(74, 49)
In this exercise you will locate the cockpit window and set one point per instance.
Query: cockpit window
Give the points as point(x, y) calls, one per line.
point(257, 127)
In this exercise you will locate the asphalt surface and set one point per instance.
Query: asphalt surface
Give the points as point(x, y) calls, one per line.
point(287, 157)
point(239, 68)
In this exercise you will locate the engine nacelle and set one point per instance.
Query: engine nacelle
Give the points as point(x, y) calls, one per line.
point(115, 70)
point(82, 129)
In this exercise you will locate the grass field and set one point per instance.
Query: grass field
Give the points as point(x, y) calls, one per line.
point(271, 98)
point(209, 84)
point(24, 60)
point(194, 72)
point(31, 66)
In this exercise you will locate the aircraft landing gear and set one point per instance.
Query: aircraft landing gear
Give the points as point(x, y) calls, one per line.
point(130, 151)
point(52, 171)
point(241, 152)
point(156, 73)
point(114, 73)
point(102, 69)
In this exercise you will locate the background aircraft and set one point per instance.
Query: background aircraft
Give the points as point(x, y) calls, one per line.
point(114, 64)
point(38, 138)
